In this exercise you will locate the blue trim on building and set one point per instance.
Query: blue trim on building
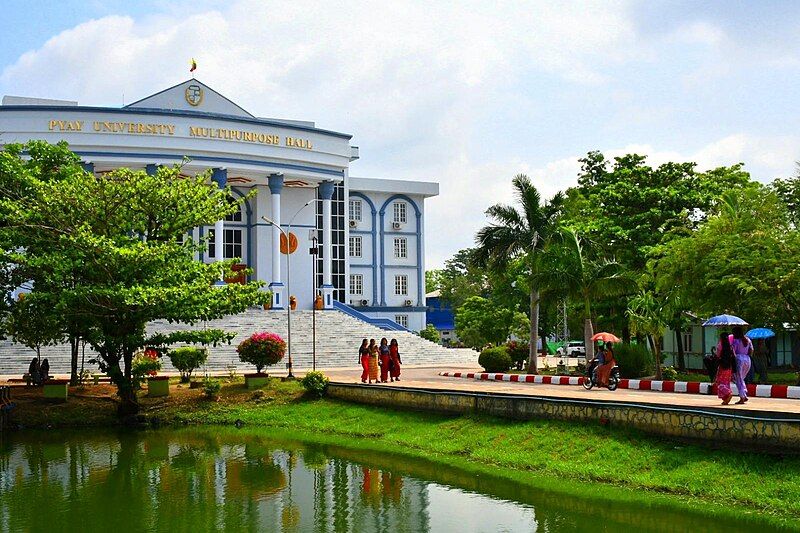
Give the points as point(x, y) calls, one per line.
point(88, 167)
point(233, 160)
point(174, 113)
point(420, 274)
point(360, 231)
point(383, 323)
point(373, 232)
point(151, 169)
point(220, 177)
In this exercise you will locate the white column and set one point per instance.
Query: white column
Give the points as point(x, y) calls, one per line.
point(220, 176)
point(326, 192)
point(276, 286)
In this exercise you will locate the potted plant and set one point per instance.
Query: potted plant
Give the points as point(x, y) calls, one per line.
point(260, 349)
point(147, 364)
point(186, 359)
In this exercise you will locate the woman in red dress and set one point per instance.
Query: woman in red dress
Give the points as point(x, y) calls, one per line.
point(363, 358)
point(394, 354)
point(384, 359)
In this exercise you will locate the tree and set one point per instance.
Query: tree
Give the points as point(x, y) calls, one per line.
point(569, 266)
point(788, 190)
point(743, 260)
point(110, 251)
point(34, 324)
point(649, 315)
point(430, 333)
point(518, 234)
point(480, 322)
point(461, 278)
point(433, 280)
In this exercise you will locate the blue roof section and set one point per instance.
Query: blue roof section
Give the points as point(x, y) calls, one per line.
point(174, 113)
point(438, 314)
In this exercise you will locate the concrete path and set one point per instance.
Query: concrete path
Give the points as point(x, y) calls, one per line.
point(428, 378)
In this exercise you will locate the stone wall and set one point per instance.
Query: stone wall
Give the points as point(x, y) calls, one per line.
point(754, 429)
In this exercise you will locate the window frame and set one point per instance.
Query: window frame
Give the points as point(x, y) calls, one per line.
point(355, 206)
point(401, 284)
point(356, 243)
point(357, 280)
point(402, 320)
point(400, 212)
point(400, 248)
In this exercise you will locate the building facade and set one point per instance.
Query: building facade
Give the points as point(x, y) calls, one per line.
point(368, 233)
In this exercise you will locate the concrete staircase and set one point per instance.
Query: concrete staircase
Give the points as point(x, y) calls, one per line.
point(338, 338)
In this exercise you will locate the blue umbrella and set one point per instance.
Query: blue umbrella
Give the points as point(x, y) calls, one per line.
point(725, 320)
point(760, 333)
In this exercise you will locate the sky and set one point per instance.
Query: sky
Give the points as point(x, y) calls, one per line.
point(467, 94)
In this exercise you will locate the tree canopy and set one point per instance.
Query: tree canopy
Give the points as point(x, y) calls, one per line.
point(111, 252)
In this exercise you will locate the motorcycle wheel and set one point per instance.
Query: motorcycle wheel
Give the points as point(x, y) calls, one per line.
point(587, 383)
point(613, 382)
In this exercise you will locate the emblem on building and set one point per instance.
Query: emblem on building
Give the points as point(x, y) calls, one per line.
point(194, 95)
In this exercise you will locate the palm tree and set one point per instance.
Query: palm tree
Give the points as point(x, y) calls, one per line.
point(566, 266)
point(521, 234)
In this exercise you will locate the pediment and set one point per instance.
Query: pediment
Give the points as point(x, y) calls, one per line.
point(191, 95)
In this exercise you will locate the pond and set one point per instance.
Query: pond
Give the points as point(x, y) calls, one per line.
point(224, 479)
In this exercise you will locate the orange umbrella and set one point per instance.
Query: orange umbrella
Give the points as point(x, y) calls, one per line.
point(605, 337)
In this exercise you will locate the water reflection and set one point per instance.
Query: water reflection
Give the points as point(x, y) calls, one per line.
point(229, 480)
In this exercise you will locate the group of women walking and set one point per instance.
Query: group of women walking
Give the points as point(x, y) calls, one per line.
point(385, 357)
point(733, 354)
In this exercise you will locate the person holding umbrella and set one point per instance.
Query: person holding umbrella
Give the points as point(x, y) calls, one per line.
point(761, 355)
point(743, 348)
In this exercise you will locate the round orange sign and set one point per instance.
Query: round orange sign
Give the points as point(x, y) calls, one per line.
point(292, 243)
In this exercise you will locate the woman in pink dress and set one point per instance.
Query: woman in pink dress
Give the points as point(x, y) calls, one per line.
point(742, 347)
point(726, 365)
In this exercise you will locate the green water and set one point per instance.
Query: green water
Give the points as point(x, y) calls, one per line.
point(223, 479)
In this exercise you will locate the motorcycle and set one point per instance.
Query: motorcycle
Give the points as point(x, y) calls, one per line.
point(590, 379)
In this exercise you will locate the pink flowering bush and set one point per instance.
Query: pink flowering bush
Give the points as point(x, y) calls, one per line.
point(261, 349)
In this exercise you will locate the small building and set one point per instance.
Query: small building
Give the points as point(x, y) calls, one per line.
point(440, 315)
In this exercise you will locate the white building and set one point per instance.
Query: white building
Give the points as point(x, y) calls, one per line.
point(369, 232)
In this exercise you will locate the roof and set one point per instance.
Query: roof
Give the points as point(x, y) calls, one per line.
point(434, 294)
point(420, 188)
point(192, 95)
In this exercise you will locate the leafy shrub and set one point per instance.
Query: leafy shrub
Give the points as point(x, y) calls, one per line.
point(669, 373)
point(316, 383)
point(430, 333)
point(187, 359)
point(518, 352)
point(211, 388)
point(261, 349)
point(634, 360)
point(495, 359)
point(144, 363)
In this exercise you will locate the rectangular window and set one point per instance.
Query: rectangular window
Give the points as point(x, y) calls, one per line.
point(687, 342)
point(356, 284)
point(400, 247)
point(400, 212)
point(402, 320)
point(401, 285)
point(233, 243)
point(355, 246)
point(355, 210)
point(212, 249)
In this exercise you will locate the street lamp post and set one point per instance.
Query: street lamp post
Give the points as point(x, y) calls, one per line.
point(314, 251)
point(286, 234)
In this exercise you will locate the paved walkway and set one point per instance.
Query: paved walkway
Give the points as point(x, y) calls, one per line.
point(428, 378)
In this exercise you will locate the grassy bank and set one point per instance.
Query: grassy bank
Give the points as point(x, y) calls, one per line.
point(585, 452)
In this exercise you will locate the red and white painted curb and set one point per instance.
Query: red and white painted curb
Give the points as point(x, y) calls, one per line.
point(688, 387)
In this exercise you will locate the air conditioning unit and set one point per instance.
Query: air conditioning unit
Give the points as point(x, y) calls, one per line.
point(353, 224)
point(396, 225)
point(408, 303)
point(364, 302)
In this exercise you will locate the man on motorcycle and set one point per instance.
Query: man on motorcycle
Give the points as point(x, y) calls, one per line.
point(598, 361)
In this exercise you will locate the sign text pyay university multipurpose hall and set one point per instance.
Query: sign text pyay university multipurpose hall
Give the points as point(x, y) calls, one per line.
point(147, 128)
